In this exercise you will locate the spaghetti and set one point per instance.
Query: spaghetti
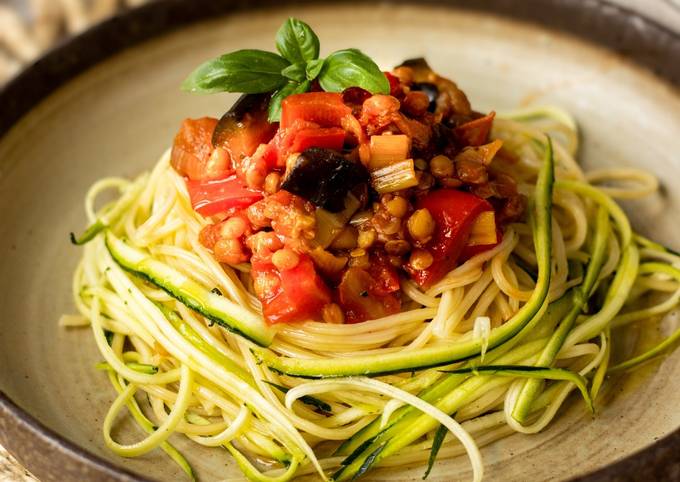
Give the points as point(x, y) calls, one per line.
point(222, 389)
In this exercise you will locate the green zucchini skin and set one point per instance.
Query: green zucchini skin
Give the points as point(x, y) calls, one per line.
point(213, 306)
point(373, 365)
point(580, 297)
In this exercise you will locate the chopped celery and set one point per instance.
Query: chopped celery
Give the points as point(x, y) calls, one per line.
point(394, 177)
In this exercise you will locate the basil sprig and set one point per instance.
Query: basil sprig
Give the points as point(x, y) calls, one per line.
point(291, 71)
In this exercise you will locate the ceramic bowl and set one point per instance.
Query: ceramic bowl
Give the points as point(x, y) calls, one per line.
point(108, 103)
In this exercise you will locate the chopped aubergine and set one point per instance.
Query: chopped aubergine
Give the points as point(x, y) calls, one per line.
point(422, 72)
point(445, 96)
point(324, 177)
point(244, 127)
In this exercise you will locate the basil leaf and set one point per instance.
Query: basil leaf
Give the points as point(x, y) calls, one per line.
point(297, 42)
point(245, 71)
point(295, 72)
point(352, 68)
point(289, 89)
point(313, 68)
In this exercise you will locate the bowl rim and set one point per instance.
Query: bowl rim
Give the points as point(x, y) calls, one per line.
point(653, 46)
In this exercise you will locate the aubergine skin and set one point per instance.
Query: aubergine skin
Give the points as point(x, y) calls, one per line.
point(324, 177)
point(234, 117)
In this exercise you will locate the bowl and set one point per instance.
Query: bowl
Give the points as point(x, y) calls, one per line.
point(108, 103)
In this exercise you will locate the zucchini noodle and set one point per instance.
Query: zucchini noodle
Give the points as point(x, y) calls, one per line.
point(178, 368)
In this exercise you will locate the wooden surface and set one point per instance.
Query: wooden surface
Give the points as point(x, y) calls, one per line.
point(11, 470)
point(666, 12)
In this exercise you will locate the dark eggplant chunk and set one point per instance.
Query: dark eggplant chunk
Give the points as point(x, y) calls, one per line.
point(430, 90)
point(449, 99)
point(422, 72)
point(417, 62)
point(244, 127)
point(324, 177)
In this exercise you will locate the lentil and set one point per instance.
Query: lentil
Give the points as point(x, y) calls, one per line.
point(272, 182)
point(421, 225)
point(285, 259)
point(420, 259)
point(233, 228)
point(441, 167)
point(397, 247)
point(229, 251)
point(332, 313)
point(366, 238)
point(397, 206)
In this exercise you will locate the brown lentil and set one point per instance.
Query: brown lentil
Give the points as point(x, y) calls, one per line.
point(396, 261)
point(420, 259)
point(420, 164)
point(441, 167)
point(415, 103)
point(425, 180)
point(451, 182)
point(366, 238)
point(421, 225)
point(266, 283)
point(397, 247)
point(331, 313)
point(272, 182)
point(389, 227)
point(285, 259)
point(356, 253)
point(229, 251)
point(256, 215)
point(397, 206)
point(233, 228)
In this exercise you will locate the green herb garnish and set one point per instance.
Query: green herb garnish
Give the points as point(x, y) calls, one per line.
point(291, 71)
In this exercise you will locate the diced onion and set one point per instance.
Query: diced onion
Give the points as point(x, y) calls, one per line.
point(483, 230)
point(482, 154)
point(387, 149)
point(329, 225)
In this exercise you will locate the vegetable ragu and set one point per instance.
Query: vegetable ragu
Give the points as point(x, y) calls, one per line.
point(339, 223)
point(334, 179)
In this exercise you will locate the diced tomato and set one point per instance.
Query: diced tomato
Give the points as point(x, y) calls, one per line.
point(296, 294)
point(384, 274)
point(212, 197)
point(193, 154)
point(454, 213)
point(324, 108)
point(328, 137)
point(369, 294)
point(395, 85)
point(300, 135)
point(476, 132)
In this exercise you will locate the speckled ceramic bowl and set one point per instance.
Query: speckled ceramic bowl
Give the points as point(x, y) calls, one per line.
point(108, 103)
